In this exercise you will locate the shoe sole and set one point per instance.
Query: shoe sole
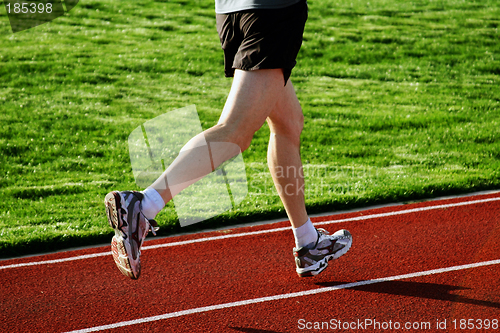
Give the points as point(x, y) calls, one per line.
point(323, 263)
point(120, 257)
point(112, 201)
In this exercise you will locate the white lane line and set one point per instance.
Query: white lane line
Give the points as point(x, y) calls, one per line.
point(409, 211)
point(283, 296)
point(252, 233)
point(57, 261)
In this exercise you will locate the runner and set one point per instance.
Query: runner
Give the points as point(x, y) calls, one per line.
point(261, 40)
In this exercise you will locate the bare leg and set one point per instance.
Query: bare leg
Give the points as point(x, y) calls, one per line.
point(253, 96)
point(286, 122)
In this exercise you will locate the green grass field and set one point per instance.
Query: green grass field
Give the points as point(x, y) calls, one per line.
point(401, 99)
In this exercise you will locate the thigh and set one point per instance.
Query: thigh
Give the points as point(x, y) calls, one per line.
point(253, 96)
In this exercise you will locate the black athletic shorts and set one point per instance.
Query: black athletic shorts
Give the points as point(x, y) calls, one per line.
point(262, 38)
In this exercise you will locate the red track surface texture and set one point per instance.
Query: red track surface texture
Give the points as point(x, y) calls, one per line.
point(425, 265)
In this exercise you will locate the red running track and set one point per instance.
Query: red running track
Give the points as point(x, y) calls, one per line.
point(432, 264)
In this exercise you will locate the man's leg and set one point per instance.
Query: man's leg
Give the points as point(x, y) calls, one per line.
point(285, 123)
point(252, 97)
point(314, 247)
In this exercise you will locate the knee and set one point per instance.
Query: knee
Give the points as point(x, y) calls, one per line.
point(296, 128)
point(299, 125)
point(244, 142)
point(290, 127)
point(240, 136)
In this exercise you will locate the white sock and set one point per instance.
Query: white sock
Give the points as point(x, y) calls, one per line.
point(152, 203)
point(305, 234)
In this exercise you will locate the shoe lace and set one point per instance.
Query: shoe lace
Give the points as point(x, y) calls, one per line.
point(153, 225)
point(322, 231)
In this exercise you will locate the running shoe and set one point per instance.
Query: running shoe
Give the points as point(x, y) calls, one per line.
point(312, 259)
point(124, 212)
